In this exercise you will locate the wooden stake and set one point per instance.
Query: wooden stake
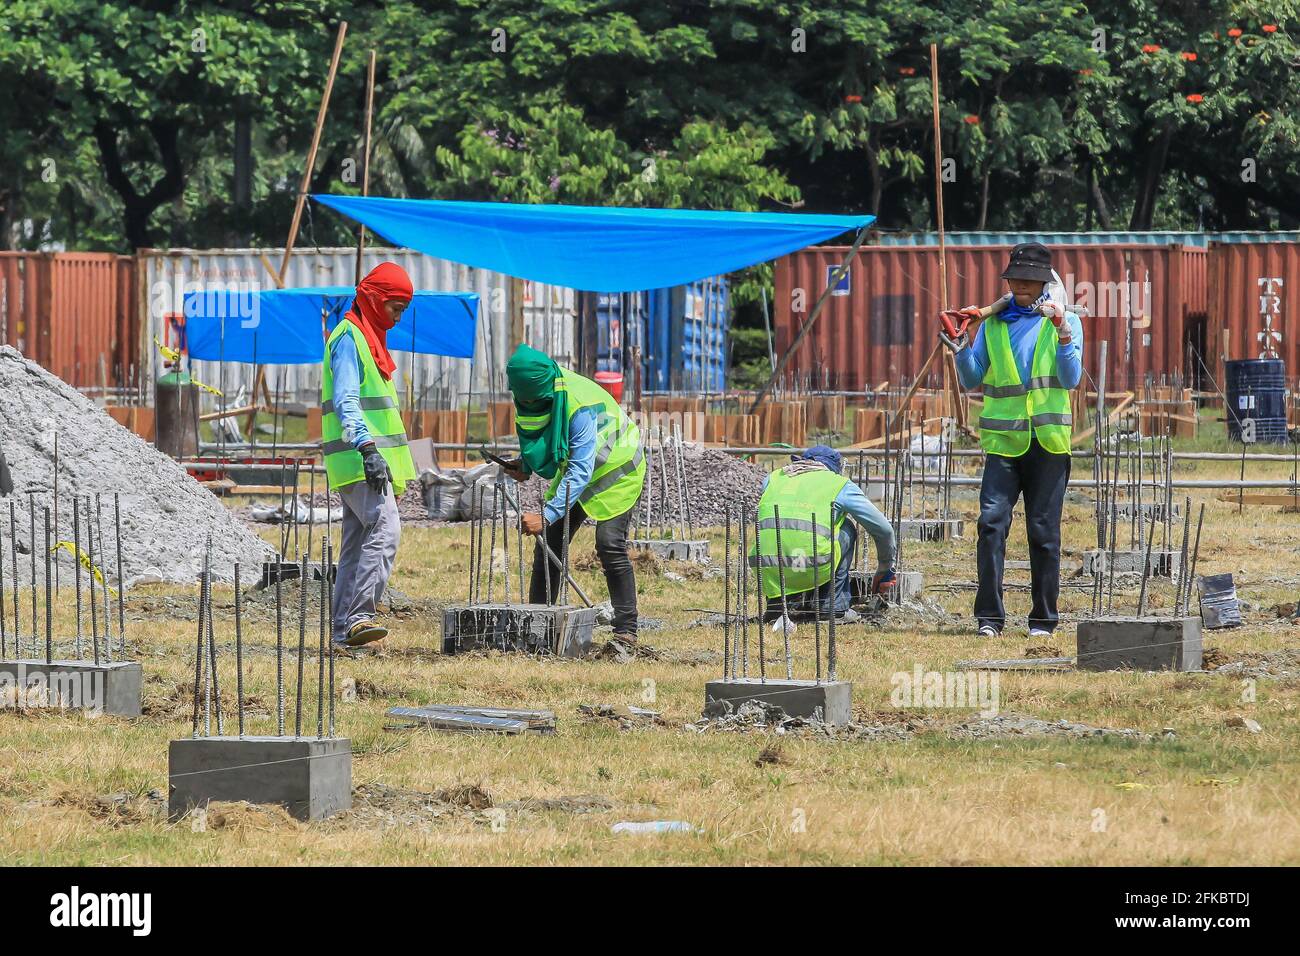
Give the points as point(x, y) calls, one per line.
point(365, 158)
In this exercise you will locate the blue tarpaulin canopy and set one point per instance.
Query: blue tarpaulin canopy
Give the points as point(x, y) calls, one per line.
point(594, 248)
point(283, 326)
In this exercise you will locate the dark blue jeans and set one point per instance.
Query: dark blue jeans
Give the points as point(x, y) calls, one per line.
point(803, 603)
point(1041, 478)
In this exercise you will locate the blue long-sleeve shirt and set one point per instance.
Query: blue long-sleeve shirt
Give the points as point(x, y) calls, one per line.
point(853, 503)
point(579, 467)
point(345, 366)
point(1023, 325)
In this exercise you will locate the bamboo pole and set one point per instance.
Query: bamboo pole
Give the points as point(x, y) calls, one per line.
point(365, 158)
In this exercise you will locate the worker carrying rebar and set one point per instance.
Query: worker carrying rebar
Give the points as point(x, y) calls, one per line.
point(809, 500)
point(1027, 355)
point(572, 431)
point(366, 454)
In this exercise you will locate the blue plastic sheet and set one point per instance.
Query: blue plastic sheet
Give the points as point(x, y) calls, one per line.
point(284, 326)
point(594, 248)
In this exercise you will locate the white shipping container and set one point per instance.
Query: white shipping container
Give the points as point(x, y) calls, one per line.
point(550, 317)
point(166, 275)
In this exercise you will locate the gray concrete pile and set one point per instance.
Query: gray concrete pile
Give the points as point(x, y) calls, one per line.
point(166, 515)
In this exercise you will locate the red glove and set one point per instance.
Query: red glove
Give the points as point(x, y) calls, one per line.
point(1056, 315)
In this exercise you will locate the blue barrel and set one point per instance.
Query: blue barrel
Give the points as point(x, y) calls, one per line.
point(1256, 391)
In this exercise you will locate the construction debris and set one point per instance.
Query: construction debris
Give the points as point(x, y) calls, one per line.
point(627, 718)
point(492, 720)
point(166, 514)
point(1018, 725)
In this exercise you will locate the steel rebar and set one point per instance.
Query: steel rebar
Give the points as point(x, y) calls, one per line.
point(302, 642)
point(121, 578)
point(759, 595)
point(321, 651)
point(49, 597)
point(1196, 551)
point(726, 588)
point(94, 616)
point(564, 545)
point(329, 579)
point(832, 657)
point(785, 608)
point(1146, 570)
point(198, 645)
point(239, 652)
point(492, 544)
point(279, 654)
point(817, 600)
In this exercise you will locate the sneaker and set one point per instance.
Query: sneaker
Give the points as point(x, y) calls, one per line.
point(1039, 633)
point(364, 632)
point(988, 630)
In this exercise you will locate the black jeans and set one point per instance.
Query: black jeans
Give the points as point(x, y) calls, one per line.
point(1041, 477)
point(611, 548)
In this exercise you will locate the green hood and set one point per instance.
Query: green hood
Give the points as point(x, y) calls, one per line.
point(541, 410)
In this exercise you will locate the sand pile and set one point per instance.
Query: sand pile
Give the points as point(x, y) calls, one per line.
point(166, 514)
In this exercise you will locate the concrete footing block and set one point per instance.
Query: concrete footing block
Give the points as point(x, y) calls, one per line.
point(311, 777)
point(1139, 643)
point(72, 685)
point(829, 701)
point(931, 529)
point(696, 552)
point(562, 630)
point(1164, 564)
point(909, 586)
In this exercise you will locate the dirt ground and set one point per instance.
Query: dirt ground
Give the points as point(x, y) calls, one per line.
point(1075, 768)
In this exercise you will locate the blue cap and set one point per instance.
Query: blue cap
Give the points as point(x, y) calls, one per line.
point(825, 454)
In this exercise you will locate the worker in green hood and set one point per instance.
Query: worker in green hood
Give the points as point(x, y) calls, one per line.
point(572, 431)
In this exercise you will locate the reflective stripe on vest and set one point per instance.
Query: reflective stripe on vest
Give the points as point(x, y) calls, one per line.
point(809, 539)
point(377, 402)
point(619, 467)
point(1015, 411)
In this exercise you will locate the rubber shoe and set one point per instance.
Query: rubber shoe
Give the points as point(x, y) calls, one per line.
point(1038, 632)
point(364, 632)
point(988, 630)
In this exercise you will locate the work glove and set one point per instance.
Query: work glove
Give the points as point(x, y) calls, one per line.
point(955, 345)
point(1056, 315)
point(377, 473)
point(881, 580)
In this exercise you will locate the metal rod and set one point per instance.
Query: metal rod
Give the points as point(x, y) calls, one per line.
point(1196, 552)
point(13, 554)
point(56, 504)
point(239, 652)
point(76, 566)
point(758, 599)
point(311, 510)
point(1182, 560)
point(4, 626)
point(1146, 569)
point(519, 544)
point(121, 577)
point(212, 663)
point(31, 514)
point(302, 642)
point(492, 545)
point(94, 617)
point(322, 650)
point(785, 608)
point(198, 645)
point(564, 546)
point(472, 527)
point(103, 574)
point(832, 657)
point(49, 596)
point(329, 562)
point(279, 655)
point(817, 599)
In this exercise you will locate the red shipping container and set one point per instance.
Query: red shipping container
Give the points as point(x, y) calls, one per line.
point(880, 323)
point(71, 312)
point(1253, 288)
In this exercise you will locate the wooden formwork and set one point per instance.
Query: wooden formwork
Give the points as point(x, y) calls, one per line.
point(785, 422)
point(136, 418)
point(741, 430)
point(826, 412)
point(440, 426)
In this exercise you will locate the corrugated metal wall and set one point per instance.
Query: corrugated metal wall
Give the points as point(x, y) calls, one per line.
point(1253, 291)
point(879, 325)
point(165, 275)
point(69, 311)
point(1201, 239)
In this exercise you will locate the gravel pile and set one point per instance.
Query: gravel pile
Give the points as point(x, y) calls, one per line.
point(166, 514)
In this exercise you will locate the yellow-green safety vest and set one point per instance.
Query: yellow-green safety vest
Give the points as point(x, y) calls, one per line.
point(810, 541)
point(619, 470)
point(1015, 410)
point(343, 463)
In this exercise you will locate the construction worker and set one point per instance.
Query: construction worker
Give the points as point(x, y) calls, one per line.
point(364, 444)
point(572, 431)
point(813, 499)
point(1026, 357)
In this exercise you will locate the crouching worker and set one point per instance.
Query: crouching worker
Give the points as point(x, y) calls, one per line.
point(573, 432)
point(816, 545)
point(364, 444)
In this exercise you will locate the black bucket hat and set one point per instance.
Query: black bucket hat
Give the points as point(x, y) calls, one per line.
point(1029, 260)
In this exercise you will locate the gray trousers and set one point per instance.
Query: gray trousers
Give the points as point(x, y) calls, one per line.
point(371, 532)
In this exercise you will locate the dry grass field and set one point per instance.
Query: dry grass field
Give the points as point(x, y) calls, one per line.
point(91, 791)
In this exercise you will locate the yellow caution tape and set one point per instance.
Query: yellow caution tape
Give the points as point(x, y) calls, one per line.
point(84, 558)
point(1132, 785)
point(172, 355)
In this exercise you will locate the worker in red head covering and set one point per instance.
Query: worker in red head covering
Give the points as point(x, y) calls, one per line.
point(364, 444)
